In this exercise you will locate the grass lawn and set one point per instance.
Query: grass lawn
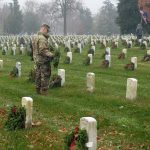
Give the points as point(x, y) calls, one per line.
point(122, 125)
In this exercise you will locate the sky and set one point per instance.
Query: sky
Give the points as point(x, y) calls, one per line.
point(94, 5)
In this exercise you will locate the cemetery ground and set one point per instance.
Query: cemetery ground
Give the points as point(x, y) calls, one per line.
point(122, 124)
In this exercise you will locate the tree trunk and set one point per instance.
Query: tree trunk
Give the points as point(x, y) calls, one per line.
point(65, 19)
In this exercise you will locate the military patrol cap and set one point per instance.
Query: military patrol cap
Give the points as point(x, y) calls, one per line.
point(45, 25)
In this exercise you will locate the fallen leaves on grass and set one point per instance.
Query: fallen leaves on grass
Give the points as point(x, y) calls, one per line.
point(3, 112)
point(63, 130)
point(36, 124)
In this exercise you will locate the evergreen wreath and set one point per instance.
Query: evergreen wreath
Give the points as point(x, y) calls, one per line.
point(105, 64)
point(104, 54)
point(91, 51)
point(56, 58)
point(121, 56)
point(16, 118)
point(66, 49)
point(3, 52)
point(14, 72)
point(113, 45)
point(129, 66)
point(55, 81)
point(67, 60)
point(77, 50)
point(76, 140)
point(87, 61)
point(143, 46)
point(146, 58)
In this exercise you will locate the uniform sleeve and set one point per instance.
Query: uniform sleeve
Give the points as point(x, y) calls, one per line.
point(44, 49)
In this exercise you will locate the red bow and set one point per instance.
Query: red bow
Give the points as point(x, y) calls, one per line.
point(74, 139)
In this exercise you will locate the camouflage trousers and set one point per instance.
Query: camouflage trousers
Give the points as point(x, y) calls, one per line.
point(43, 73)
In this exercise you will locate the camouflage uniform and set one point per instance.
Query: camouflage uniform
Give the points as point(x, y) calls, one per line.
point(42, 57)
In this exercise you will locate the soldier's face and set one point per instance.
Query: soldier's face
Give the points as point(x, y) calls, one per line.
point(44, 30)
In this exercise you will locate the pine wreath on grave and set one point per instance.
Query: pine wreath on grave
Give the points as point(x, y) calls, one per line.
point(32, 75)
point(76, 140)
point(72, 45)
point(146, 58)
point(3, 52)
point(16, 118)
point(129, 45)
point(67, 60)
point(113, 45)
point(87, 61)
point(56, 58)
point(129, 66)
point(143, 46)
point(137, 43)
point(121, 56)
point(14, 72)
point(77, 50)
point(91, 51)
point(105, 63)
point(55, 81)
point(104, 54)
point(66, 49)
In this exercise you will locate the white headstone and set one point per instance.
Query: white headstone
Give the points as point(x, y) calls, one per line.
point(108, 50)
point(22, 49)
point(67, 44)
point(130, 43)
point(18, 66)
point(56, 46)
point(124, 51)
point(131, 91)
point(93, 47)
point(14, 50)
point(91, 58)
point(104, 43)
point(90, 82)
point(27, 103)
point(61, 73)
point(69, 54)
point(108, 58)
point(1, 64)
point(90, 125)
point(80, 47)
point(145, 43)
point(148, 52)
point(134, 61)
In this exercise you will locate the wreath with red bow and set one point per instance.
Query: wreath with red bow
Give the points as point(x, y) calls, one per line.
point(16, 118)
point(76, 140)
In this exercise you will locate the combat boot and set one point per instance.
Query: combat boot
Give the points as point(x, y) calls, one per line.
point(38, 91)
point(44, 92)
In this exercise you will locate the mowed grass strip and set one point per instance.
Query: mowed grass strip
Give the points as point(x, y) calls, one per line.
point(121, 124)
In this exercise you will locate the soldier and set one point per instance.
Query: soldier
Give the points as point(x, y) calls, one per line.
point(42, 58)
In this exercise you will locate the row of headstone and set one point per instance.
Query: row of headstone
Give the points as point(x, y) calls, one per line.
point(131, 91)
point(86, 123)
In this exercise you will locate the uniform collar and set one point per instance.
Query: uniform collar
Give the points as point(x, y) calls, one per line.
point(44, 34)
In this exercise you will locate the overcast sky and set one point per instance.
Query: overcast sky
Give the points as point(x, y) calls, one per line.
point(94, 5)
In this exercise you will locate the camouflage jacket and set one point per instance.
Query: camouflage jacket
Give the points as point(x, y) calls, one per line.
point(41, 53)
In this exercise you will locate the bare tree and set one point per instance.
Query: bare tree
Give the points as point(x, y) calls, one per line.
point(63, 6)
point(48, 14)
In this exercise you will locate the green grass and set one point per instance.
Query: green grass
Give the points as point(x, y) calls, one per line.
point(122, 125)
